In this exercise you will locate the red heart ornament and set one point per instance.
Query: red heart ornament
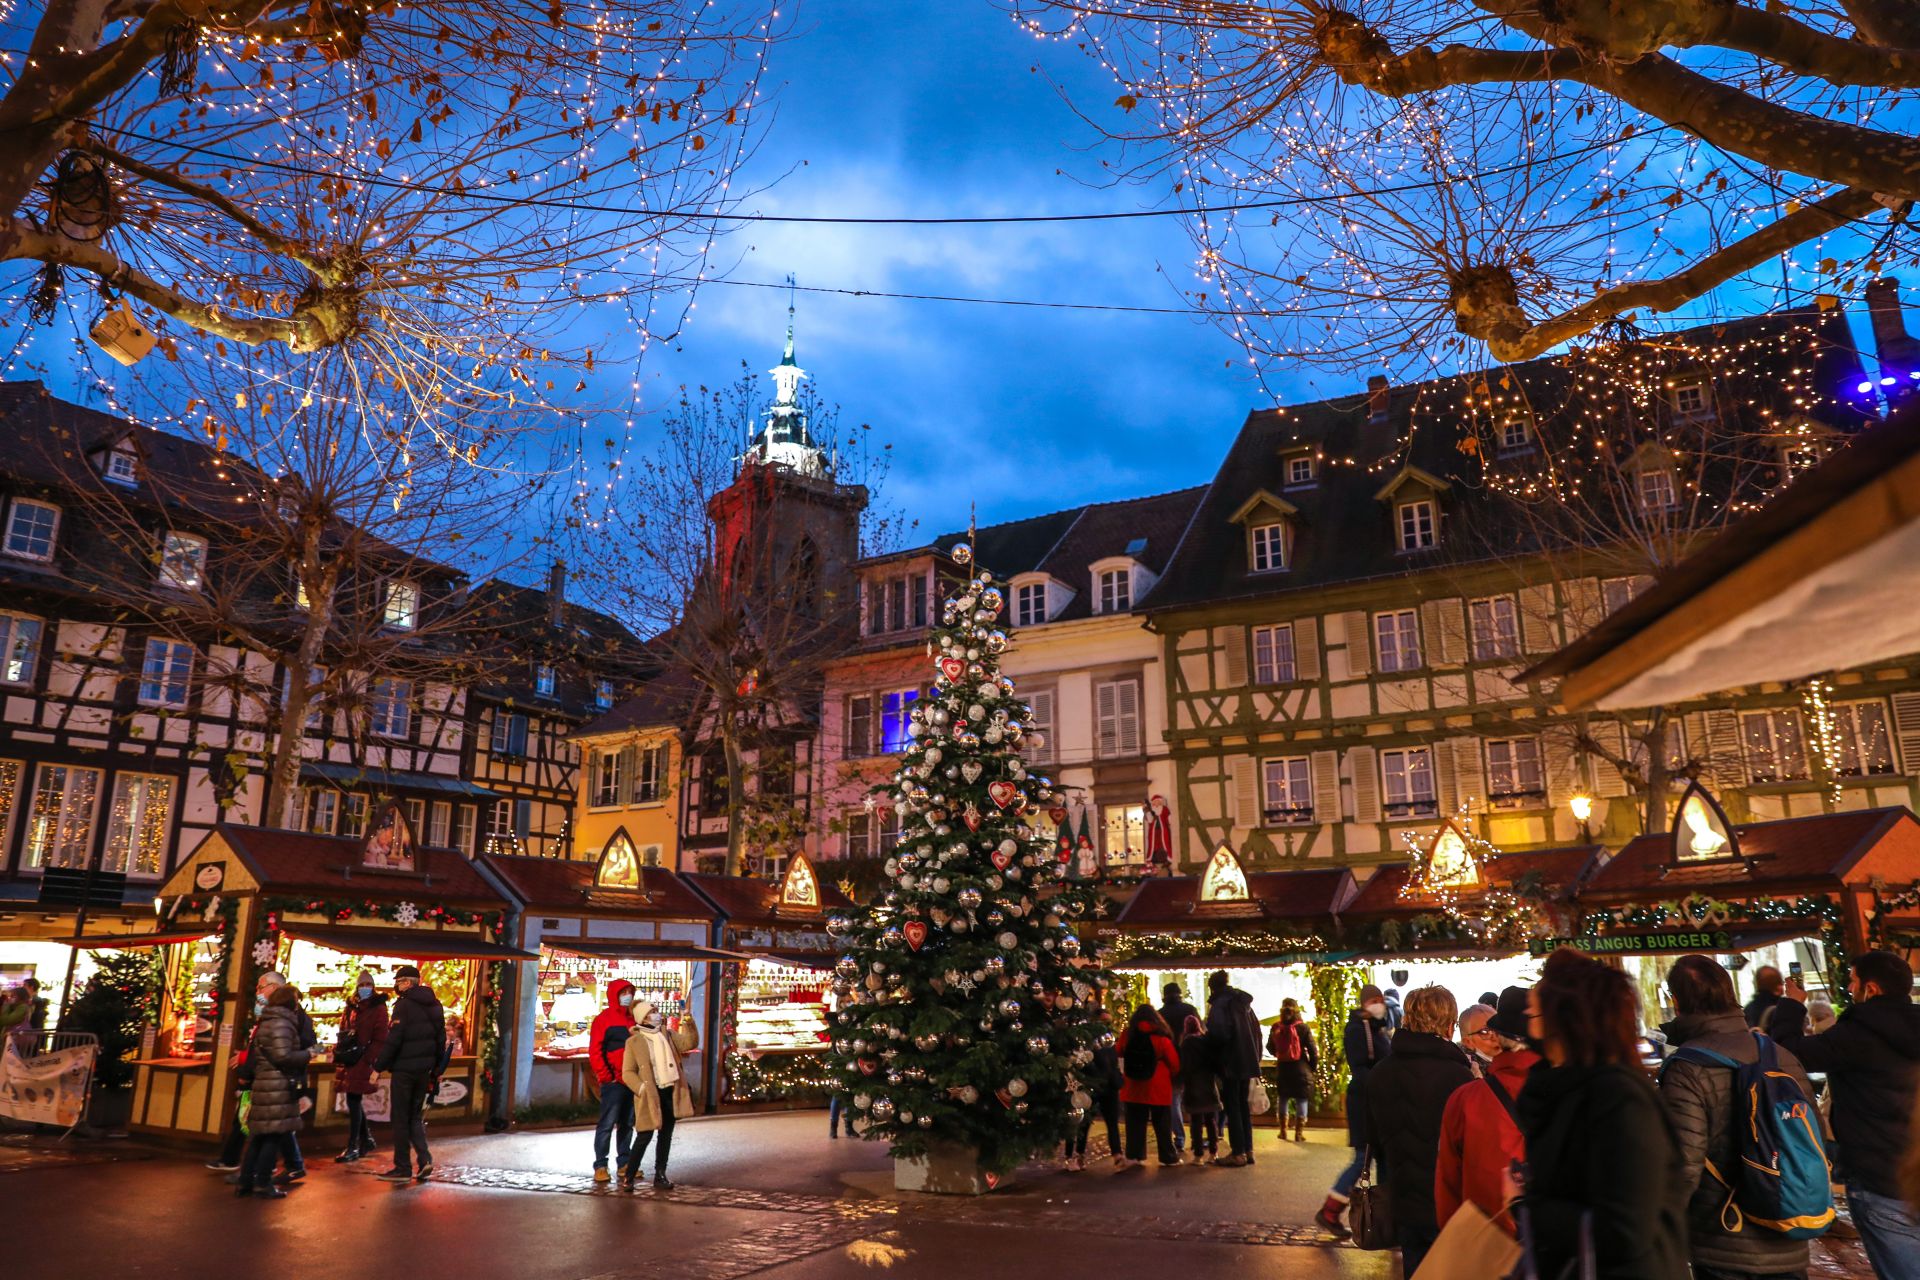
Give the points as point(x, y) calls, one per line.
point(916, 933)
point(1002, 793)
point(868, 1066)
point(1059, 815)
point(952, 668)
point(1001, 860)
point(971, 817)
point(992, 1180)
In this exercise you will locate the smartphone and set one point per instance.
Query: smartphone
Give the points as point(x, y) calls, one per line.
point(1794, 969)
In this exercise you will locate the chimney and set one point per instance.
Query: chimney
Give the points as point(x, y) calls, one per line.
point(1377, 393)
point(557, 593)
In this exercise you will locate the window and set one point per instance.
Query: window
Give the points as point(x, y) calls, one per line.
point(165, 673)
point(1126, 832)
point(319, 810)
point(714, 785)
point(417, 817)
point(1397, 636)
point(1691, 399)
point(1676, 749)
point(463, 828)
point(137, 824)
point(1038, 743)
point(1269, 546)
point(543, 680)
point(390, 710)
point(872, 835)
point(507, 824)
point(60, 824)
point(610, 776)
point(122, 466)
point(183, 562)
point(1866, 749)
point(353, 815)
point(1615, 593)
point(439, 824)
point(19, 648)
point(896, 713)
point(403, 605)
point(603, 694)
point(316, 714)
point(1299, 471)
point(1407, 776)
point(1514, 772)
point(1417, 528)
point(509, 737)
point(1496, 629)
point(30, 529)
point(1030, 604)
point(650, 774)
point(1286, 791)
point(1516, 431)
point(1776, 751)
point(1116, 590)
point(898, 604)
point(1656, 490)
point(1273, 654)
point(1116, 714)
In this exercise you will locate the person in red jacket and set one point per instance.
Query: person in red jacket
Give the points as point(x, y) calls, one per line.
point(606, 1050)
point(1148, 1065)
point(1479, 1139)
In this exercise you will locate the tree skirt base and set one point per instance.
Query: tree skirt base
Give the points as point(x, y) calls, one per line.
point(947, 1170)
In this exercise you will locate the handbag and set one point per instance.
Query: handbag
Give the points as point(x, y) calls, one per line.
point(349, 1051)
point(1471, 1246)
point(1258, 1100)
point(1371, 1216)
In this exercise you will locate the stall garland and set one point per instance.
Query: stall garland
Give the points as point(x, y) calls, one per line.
point(779, 1077)
point(1885, 905)
point(1470, 908)
point(1213, 942)
point(1336, 992)
point(1699, 909)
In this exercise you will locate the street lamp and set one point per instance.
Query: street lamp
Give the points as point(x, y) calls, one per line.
point(1582, 805)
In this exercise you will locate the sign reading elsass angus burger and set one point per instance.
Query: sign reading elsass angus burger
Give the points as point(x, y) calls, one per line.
point(1628, 944)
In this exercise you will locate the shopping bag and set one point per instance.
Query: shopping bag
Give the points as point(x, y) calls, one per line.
point(1471, 1246)
point(245, 1110)
point(1258, 1102)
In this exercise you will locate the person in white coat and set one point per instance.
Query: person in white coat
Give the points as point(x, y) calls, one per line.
point(655, 1071)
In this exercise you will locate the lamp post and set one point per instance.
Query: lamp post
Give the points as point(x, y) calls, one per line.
point(1582, 805)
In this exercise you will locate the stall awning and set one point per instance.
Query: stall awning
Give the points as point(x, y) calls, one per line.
point(388, 781)
point(122, 941)
point(411, 944)
point(610, 949)
point(795, 959)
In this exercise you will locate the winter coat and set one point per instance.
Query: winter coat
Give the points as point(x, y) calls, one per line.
point(1199, 1084)
point(1176, 1013)
point(279, 1064)
point(608, 1034)
point(1599, 1141)
point(1706, 1118)
point(1296, 1078)
point(1235, 1034)
point(1406, 1098)
point(1157, 1091)
point(364, 1024)
point(636, 1072)
point(416, 1034)
point(1759, 1007)
point(1103, 1078)
point(1872, 1059)
point(1366, 1044)
point(1479, 1141)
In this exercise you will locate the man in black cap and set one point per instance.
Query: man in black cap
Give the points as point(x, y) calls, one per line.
point(414, 1053)
point(1479, 1136)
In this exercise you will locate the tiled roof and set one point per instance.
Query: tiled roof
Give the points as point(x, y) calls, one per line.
point(1164, 902)
point(1818, 852)
point(745, 900)
point(1559, 872)
point(587, 645)
point(294, 861)
point(667, 700)
point(561, 885)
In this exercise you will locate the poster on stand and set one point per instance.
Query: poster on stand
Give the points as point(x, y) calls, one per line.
point(50, 1088)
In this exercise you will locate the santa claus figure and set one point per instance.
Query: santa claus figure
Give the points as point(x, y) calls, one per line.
point(1159, 836)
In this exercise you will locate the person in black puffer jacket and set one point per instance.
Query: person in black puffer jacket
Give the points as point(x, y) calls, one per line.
point(1406, 1101)
point(1600, 1149)
point(1707, 1117)
point(414, 1052)
point(1364, 1044)
point(1102, 1082)
point(279, 1064)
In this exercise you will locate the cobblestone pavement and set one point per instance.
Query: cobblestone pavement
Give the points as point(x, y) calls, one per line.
point(21, 1152)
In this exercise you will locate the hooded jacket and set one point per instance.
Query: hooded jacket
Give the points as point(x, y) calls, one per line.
point(279, 1062)
point(607, 1037)
point(1872, 1060)
point(637, 1073)
point(365, 1022)
point(1479, 1142)
point(1406, 1100)
point(1366, 1045)
point(1156, 1090)
point(1199, 1086)
point(416, 1035)
point(1706, 1118)
point(1234, 1033)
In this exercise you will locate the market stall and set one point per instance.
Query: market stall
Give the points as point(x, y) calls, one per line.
point(317, 908)
point(771, 1024)
point(591, 923)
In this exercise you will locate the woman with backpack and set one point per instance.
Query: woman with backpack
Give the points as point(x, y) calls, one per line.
point(1290, 1043)
point(1148, 1064)
point(363, 1030)
point(1199, 1090)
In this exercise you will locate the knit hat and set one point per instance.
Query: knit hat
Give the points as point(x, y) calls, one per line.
point(406, 971)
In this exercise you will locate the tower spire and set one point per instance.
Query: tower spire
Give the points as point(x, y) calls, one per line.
point(784, 439)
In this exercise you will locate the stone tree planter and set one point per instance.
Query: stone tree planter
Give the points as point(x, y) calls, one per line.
point(948, 1169)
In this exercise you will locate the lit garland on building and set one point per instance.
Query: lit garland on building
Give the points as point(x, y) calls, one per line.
point(1451, 873)
point(1140, 948)
point(1818, 695)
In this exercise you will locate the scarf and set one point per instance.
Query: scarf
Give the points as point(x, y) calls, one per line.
point(666, 1064)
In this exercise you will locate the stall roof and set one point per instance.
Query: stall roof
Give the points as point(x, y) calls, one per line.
point(1819, 853)
point(560, 886)
point(621, 949)
point(121, 941)
point(1161, 902)
point(745, 900)
point(284, 860)
point(388, 781)
point(409, 944)
point(1560, 872)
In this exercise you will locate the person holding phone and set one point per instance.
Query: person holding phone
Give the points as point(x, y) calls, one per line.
point(655, 1073)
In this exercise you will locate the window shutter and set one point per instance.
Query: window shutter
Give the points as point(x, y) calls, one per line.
point(860, 725)
point(1606, 779)
point(1359, 629)
point(625, 777)
point(1366, 784)
point(1469, 774)
point(1724, 756)
point(1128, 699)
point(1584, 606)
point(1536, 619)
point(1906, 727)
point(1443, 630)
point(1247, 809)
point(1326, 786)
point(1234, 641)
point(1306, 657)
point(1563, 774)
point(1105, 711)
point(1446, 782)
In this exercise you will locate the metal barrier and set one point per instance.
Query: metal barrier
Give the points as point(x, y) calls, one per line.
point(31, 1044)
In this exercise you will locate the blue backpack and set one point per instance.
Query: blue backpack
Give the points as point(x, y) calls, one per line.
point(1784, 1182)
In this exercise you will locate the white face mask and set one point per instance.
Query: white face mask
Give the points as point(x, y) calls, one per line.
point(626, 999)
point(1377, 1010)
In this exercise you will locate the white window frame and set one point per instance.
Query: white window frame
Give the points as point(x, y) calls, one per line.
point(17, 534)
point(1110, 731)
point(1691, 388)
point(1766, 747)
point(1515, 431)
point(1113, 589)
point(123, 466)
point(183, 561)
point(64, 837)
point(892, 713)
point(1407, 773)
point(610, 765)
point(1274, 660)
point(1039, 721)
point(1846, 727)
point(544, 679)
point(1396, 638)
point(319, 810)
point(439, 825)
point(164, 680)
point(20, 636)
point(872, 833)
point(1496, 628)
point(1624, 587)
point(353, 813)
point(1657, 488)
point(1029, 604)
point(1286, 791)
point(1516, 773)
point(1267, 547)
point(464, 824)
point(417, 816)
point(501, 734)
point(390, 708)
point(402, 609)
point(897, 603)
point(131, 814)
point(649, 781)
point(1300, 471)
point(1123, 834)
point(1417, 524)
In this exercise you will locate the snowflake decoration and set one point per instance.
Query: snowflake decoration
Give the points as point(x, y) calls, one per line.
point(265, 952)
point(406, 914)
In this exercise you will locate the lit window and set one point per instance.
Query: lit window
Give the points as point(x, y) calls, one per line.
point(122, 466)
point(603, 694)
point(1398, 638)
point(30, 529)
point(1496, 629)
point(60, 824)
point(1407, 776)
point(165, 673)
point(1514, 772)
point(896, 711)
point(19, 650)
point(509, 735)
point(183, 562)
point(1776, 751)
point(1616, 593)
point(1269, 546)
point(1691, 399)
point(1656, 490)
point(1516, 431)
point(300, 598)
point(1287, 791)
point(1116, 590)
point(403, 605)
point(1273, 654)
point(390, 713)
point(353, 815)
point(1126, 832)
point(543, 679)
point(1866, 748)
point(1116, 713)
point(1417, 529)
point(1030, 604)
point(1299, 471)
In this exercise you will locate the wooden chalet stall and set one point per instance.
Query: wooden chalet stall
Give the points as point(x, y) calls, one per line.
point(770, 1028)
point(317, 908)
point(590, 923)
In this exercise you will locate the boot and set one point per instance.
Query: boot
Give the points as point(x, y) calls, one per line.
point(1328, 1218)
point(1299, 1128)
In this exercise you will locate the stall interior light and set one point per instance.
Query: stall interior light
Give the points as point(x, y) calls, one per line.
point(159, 904)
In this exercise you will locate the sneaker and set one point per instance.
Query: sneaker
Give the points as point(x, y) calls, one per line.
point(1330, 1222)
point(290, 1177)
point(397, 1174)
point(347, 1157)
point(222, 1166)
point(660, 1182)
point(426, 1171)
point(600, 1174)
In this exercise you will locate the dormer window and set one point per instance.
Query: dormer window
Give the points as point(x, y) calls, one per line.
point(603, 694)
point(1693, 398)
point(1267, 545)
point(403, 605)
point(896, 604)
point(1270, 523)
point(1300, 471)
point(1030, 604)
point(1515, 431)
point(122, 467)
point(1419, 527)
point(1656, 490)
point(1115, 592)
point(543, 679)
point(183, 562)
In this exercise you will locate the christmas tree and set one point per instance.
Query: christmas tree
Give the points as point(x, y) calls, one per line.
point(969, 1002)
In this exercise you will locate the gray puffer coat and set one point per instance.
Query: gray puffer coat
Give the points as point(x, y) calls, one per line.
point(279, 1066)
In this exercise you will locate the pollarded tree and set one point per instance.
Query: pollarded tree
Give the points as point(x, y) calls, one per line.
point(1413, 176)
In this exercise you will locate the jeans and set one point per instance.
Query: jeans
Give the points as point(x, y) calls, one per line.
point(1292, 1106)
point(1139, 1115)
point(834, 1108)
point(359, 1129)
point(408, 1108)
point(1239, 1119)
point(1179, 1119)
point(1206, 1132)
point(1889, 1231)
point(1108, 1108)
point(639, 1153)
point(1343, 1185)
point(616, 1124)
point(264, 1150)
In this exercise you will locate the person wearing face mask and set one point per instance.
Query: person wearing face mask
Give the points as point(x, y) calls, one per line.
point(279, 1065)
point(416, 1046)
point(655, 1074)
point(1480, 1043)
point(363, 1031)
point(606, 1040)
point(1479, 1136)
point(1365, 1043)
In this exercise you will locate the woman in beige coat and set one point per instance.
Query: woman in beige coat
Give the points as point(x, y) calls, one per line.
point(657, 1076)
